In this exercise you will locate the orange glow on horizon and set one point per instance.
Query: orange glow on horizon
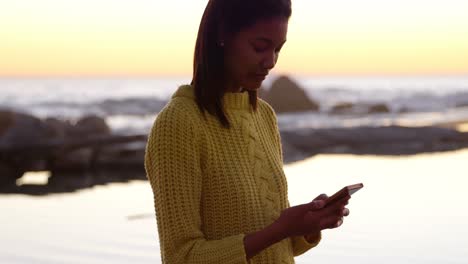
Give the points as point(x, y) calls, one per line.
point(156, 38)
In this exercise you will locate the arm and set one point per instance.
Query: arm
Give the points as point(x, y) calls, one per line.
point(302, 244)
point(172, 163)
point(258, 241)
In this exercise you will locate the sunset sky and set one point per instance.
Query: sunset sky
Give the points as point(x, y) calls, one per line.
point(155, 37)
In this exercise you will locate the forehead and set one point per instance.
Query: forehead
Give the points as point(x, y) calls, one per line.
point(274, 29)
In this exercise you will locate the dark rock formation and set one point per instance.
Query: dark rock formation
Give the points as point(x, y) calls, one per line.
point(286, 96)
point(21, 129)
point(378, 108)
point(86, 153)
point(9, 174)
point(342, 108)
point(391, 140)
point(351, 108)
point(66, 149)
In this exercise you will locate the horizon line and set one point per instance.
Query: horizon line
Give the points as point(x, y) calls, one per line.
point(273, 74)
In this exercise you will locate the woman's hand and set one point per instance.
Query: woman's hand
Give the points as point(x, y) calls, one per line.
point(309, 219)
point(314, 236)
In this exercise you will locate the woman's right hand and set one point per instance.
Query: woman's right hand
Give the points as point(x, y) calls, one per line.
point(312, 217)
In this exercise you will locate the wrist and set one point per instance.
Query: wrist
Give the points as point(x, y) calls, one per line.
point(278, 230)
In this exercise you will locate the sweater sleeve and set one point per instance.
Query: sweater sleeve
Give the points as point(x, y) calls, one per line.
point(299, 244)
point(172, 164)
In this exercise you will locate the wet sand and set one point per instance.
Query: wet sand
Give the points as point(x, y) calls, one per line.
point(411, 210)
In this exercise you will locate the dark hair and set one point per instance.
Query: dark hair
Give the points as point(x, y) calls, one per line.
point(230, 17)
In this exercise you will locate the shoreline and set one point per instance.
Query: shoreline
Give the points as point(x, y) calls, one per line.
point(39, 184)
point(460, 126)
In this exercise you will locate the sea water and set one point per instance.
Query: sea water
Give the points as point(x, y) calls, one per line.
point(130, 105)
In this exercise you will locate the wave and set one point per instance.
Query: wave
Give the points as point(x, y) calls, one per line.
point(108, 107)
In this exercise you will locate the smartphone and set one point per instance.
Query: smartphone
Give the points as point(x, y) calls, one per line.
point(350, 189)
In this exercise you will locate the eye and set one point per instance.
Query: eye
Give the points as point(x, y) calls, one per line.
point(259, 49)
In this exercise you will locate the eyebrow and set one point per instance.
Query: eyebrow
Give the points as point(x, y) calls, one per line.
point(269, 40)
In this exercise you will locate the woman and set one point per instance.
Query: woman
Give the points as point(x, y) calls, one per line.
point(214, 157)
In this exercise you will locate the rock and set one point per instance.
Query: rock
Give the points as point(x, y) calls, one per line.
point(342, 108)
point(78, 160)
point(68, 150)
point(378, 108)
point(360, 108)
point(391, 140)
point(286, 96)
point(90, 126)
point(85, 127)
point(123, 156)
point(21, 129)
point(58, 128)
point(9, 174)
point(6, 121)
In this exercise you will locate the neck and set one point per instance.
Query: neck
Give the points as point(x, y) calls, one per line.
point(232, 87)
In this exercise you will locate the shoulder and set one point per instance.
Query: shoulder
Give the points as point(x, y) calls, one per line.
point(179, 109)
point(178, 117)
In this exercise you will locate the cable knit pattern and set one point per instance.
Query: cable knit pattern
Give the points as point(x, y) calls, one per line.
point(213, 185)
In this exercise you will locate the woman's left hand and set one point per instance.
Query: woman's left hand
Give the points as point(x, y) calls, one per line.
point(314, 236)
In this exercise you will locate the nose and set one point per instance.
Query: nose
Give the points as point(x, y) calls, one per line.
point(270, 60)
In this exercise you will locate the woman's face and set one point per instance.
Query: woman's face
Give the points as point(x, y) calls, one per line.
point(253, 52)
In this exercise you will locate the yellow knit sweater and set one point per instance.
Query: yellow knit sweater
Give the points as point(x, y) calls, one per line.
point(213, 185)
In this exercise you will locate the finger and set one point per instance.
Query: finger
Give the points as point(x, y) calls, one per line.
point(316, 205)
point(342, 210)
point(339, 223)
point(329, 222)
point(339, 210)
point(345, 212)
point(321, 197)
point(334, 209)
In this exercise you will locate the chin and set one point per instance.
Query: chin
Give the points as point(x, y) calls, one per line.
point(252, 86)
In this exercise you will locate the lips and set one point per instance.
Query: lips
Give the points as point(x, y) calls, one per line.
point(261, 76)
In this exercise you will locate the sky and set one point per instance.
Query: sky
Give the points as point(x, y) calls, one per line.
point(157, 37)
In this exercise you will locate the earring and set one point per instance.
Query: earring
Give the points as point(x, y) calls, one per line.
point(221, 43)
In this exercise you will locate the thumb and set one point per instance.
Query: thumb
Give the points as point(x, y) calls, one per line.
point(316, 205)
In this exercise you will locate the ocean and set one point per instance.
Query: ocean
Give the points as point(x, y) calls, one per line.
point(131, 105)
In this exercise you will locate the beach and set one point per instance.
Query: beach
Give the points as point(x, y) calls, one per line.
point(411, 210)
point(371, 92)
